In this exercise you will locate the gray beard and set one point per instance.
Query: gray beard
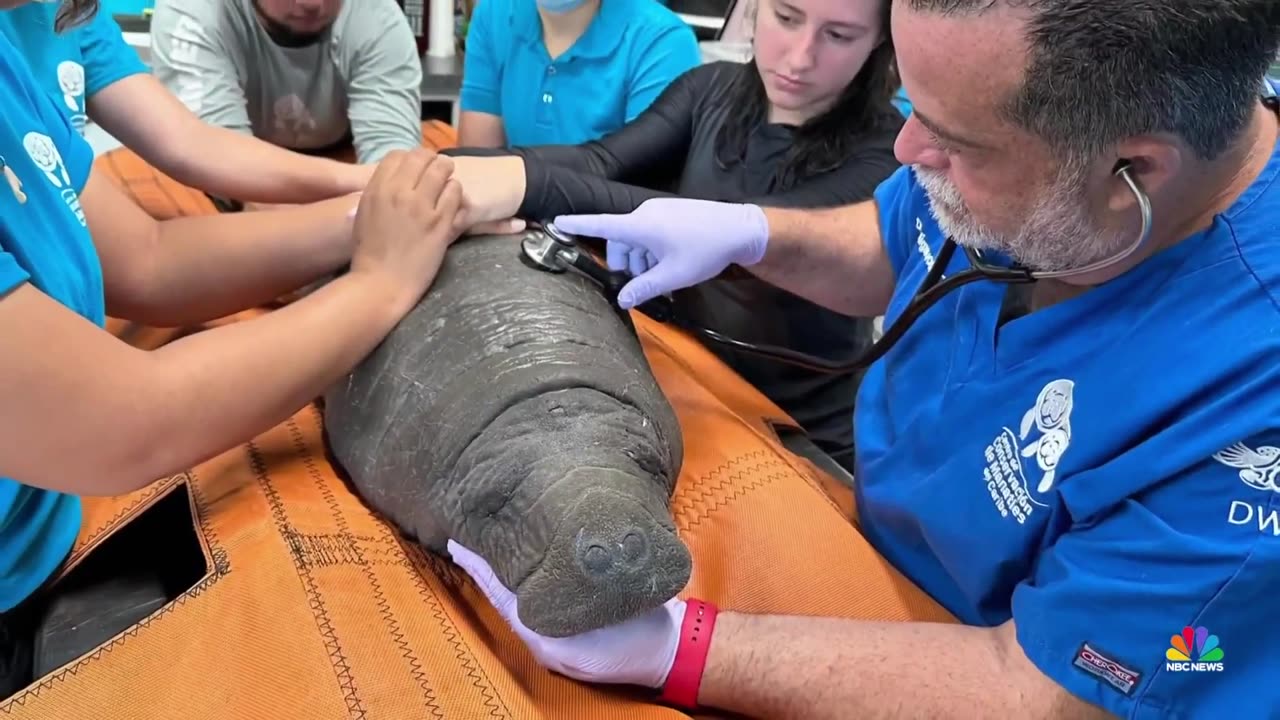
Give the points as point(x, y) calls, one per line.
point(1056, 235)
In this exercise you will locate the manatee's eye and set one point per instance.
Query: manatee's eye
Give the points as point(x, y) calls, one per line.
point(490, 502)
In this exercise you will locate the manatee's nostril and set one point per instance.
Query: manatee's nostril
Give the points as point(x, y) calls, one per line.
point(596, 559)
point(633, 548)
point(624, 555)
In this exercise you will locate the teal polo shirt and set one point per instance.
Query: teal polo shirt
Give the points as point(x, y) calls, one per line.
point(629, 54)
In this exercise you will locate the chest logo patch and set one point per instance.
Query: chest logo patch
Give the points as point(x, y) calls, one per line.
point(44, 153)
point(1043, 436)
point(71, 82)
point(1259, 469)
point(292, 118)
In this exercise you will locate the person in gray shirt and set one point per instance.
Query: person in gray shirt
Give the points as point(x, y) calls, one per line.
point(308, 75)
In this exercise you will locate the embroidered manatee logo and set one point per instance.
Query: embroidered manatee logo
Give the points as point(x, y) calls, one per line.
point(1051, 416)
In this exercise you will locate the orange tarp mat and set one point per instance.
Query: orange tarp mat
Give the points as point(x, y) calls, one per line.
point(159, 195)
point(314, 608)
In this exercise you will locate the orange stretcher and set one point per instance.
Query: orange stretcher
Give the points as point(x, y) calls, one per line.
point(312, 607)
point(307, 605)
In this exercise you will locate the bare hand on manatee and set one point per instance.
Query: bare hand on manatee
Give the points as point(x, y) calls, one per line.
point(406, 220)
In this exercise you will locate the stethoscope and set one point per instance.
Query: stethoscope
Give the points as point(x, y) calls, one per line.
point(553, 250)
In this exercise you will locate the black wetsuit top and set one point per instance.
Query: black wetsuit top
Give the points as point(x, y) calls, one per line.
point(669, 150)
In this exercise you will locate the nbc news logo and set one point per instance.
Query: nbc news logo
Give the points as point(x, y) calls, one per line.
point(1195, 650)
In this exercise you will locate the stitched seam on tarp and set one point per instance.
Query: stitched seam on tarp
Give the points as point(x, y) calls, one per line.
point(220, 568)
point(723, 485)
point(338, 659)
point(379, 595)
point(448, 575)
point(96, 537)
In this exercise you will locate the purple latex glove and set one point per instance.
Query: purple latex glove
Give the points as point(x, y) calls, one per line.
point(673, 243)
point(639, 651)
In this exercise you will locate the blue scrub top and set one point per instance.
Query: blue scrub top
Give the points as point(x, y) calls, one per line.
point(45, 242)
point(74, 65)
point(1105, 471)
point(629, 54)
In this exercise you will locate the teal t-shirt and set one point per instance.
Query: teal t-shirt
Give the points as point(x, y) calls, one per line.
point(73, 65)
point(44, 241)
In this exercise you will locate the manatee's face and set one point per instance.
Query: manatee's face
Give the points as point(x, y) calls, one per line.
point(559, 473)
point(613, 554)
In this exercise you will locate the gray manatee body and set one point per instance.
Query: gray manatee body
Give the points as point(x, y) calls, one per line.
point(513, 411)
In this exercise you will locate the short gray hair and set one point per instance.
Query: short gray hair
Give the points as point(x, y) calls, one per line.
point(1104, 70)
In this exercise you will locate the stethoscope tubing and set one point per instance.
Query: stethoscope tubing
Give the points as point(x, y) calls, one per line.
point(932, 289)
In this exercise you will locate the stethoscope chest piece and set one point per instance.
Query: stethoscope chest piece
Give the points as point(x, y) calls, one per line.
point(540, 252)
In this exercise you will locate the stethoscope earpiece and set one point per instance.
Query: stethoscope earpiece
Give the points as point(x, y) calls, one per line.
point(1124, 171)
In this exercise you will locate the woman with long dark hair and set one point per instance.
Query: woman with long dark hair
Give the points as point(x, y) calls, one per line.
point(807, 122)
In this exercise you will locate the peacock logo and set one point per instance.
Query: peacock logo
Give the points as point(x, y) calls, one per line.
point(1195, 650)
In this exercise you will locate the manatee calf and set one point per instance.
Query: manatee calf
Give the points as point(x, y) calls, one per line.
point(514, 411)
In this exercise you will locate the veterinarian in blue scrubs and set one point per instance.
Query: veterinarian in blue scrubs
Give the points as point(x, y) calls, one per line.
point(550, 72)
point(1083, 469)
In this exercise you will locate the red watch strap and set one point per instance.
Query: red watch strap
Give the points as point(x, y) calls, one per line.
point(685, 677)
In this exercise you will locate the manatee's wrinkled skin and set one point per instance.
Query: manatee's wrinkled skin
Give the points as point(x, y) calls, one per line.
point(514, 412)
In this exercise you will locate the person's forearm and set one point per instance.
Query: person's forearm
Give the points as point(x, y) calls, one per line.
point(212, 390)
point(219, 160)
point(266, 207)
point(207, 267)
point(551, 190)
point(500, 186)
point(834, 258)
point(233, 165)
point(782, 667)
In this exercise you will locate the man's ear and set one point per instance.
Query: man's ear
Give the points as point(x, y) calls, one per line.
point(1152, 162)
